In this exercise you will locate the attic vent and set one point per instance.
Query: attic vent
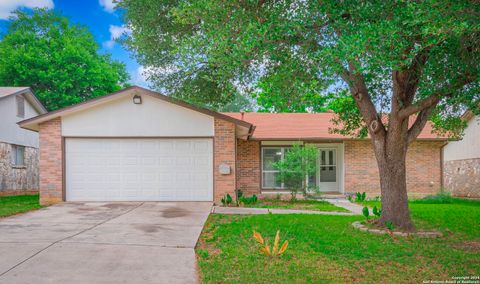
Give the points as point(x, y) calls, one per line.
point(20, 106)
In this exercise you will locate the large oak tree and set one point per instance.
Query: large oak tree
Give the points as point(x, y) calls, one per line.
point(59, 60)
point(402, 60)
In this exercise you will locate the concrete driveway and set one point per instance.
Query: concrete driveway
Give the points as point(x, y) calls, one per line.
point(132, 242)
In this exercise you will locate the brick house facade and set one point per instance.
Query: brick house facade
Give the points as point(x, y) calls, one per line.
point(361, 171)
point(96, 151)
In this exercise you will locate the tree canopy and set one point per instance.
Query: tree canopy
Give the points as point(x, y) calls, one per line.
point(290, 53)
point(59, 60)
point(409, 61)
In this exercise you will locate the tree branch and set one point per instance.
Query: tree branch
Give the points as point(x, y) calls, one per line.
point(421, 105)
point(419, 123)
point(360, 93)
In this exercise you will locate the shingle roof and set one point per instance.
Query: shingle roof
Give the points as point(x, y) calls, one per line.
point(303, 126)
point(6, 91)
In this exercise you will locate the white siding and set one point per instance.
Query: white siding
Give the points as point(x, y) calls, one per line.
point(123, 118)
point(10, 132)
point(468, 147)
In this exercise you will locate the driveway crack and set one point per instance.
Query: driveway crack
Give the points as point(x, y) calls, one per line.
point(68, 237)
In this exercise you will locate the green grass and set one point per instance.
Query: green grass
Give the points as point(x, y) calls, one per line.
point(458, 215)
point(317, 205)
point(327, 249)
point(11, 205)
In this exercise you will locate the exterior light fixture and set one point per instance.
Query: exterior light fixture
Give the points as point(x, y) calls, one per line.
point(137, 100)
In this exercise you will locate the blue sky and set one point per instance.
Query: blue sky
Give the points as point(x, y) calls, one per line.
point(97, 15)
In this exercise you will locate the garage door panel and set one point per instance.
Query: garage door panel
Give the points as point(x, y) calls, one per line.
point(139, 169)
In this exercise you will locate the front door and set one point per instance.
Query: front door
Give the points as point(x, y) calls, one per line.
point(328, 170)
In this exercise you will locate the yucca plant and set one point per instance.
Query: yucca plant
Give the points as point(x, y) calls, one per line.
point(265, 249)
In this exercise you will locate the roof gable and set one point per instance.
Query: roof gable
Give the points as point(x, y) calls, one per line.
point(27, 94)
point(33, 122)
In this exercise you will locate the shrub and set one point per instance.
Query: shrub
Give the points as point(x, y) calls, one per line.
point(226, 200)
point(248, 200)
point(361, 196)
point(377, 212)
point(389, 225)
point(440, 198)
point(298, 163)
point(365, 212)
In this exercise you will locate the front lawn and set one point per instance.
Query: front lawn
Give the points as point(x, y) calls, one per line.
point(11, 205)
point(326, 249)
point(317, 205)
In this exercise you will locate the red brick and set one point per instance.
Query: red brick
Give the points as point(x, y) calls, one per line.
point(224, 153)
point(51, 165)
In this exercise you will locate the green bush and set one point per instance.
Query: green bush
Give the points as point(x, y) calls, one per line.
point(440, 198)
point(377, 212)
point(361, 197)
point(389, 225)
point(298, 163)
point(226, 200)
point(365, 212)
point(248, 200)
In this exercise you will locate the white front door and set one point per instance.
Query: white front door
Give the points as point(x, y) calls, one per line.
point(328, 169)
point(137, 169)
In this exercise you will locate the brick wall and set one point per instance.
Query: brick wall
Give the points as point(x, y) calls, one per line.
point(423, 168)
point(224, 153)
point(248, 166)
point(51, 170)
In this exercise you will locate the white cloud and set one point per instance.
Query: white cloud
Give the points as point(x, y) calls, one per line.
point(115, 33)
point(140, 76)
point(8, 6)
point(108, 5)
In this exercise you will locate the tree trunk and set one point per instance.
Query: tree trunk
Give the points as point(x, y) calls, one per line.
point(394, 195)
point(391, 160)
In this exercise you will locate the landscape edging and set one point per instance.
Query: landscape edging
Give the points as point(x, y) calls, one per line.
point(421, 234)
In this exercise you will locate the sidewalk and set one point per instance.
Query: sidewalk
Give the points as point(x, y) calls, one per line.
point(344, 203)
point(340, 202)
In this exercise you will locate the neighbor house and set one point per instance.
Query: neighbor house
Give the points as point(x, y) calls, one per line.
point(462, 161)
point(137, 144)
point(18, 147)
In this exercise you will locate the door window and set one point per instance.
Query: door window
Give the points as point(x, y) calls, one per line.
point(328, 165)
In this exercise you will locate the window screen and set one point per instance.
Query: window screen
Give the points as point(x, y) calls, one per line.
point(18, 155)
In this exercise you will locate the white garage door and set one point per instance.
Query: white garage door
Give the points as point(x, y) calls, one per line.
point(139, 169)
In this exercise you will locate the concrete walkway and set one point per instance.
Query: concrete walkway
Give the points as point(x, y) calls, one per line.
point(344, 203)
point(129, 242)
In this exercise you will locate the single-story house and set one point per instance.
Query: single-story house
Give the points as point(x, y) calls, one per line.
point(18, 147)
point(462, 161)
point(138, 145)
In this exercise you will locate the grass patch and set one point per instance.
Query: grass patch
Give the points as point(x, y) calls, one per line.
point(459, 216)
point(327, 249)
point(316, 205)
point(11, 205)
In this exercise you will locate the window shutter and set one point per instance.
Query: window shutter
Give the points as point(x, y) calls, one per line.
point(20, 106)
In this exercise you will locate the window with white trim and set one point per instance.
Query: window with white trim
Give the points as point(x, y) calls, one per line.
point(18, 156)
point(271, 155)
